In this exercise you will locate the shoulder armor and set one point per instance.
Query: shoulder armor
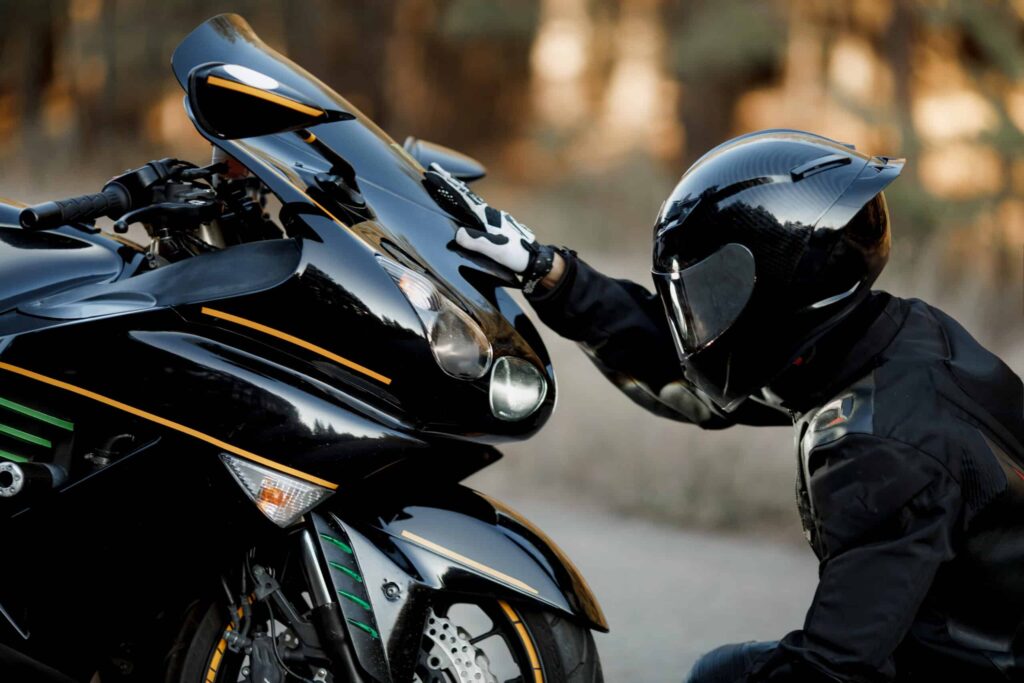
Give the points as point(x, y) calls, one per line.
point(852, 412)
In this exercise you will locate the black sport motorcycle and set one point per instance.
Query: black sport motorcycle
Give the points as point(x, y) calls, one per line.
point(234, 454)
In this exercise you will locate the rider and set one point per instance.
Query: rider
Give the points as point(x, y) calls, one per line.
point(909, 433)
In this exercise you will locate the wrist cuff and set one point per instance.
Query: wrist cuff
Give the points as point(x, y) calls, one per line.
point(545, 296)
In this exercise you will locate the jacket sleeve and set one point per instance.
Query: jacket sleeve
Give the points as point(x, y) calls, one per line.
point(885, 514)
point(622, 327)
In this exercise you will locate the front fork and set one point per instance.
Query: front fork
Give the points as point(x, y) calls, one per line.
point(326, 613)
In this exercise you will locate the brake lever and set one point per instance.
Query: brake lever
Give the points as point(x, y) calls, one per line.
point(204, 173)
point(194, 210)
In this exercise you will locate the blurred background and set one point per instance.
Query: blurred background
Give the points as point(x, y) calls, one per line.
point(586, 113)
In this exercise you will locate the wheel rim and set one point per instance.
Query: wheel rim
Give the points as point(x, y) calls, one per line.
point(468, 642)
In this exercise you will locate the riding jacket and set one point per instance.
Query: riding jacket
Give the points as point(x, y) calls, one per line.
point(910, 477)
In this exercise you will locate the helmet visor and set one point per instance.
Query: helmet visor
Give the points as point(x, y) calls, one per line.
point(704, 299)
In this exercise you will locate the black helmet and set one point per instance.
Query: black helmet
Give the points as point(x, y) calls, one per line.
point(767, 241)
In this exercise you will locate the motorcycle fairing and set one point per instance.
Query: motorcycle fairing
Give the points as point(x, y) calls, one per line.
point(390, 211)
point(448, 538)
point(40, 264)
point(243, 269)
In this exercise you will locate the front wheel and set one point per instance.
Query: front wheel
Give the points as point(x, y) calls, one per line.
point(462, 642)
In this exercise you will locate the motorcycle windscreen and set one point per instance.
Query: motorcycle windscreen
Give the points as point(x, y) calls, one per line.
point(704, 299)
point(227, 39)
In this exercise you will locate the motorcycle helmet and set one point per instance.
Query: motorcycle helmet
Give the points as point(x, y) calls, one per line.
point(768, 241)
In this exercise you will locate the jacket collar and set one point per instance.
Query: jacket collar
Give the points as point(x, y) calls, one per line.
point(844, 354)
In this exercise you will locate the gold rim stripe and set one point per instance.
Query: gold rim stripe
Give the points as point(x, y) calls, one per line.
point(309, 137)
point(218, 653)
point(263, 95)
point(469, 562)
point(319, 350)
point(170, 424)
point(524, 635)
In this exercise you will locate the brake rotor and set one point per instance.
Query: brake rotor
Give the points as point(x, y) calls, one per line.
point(447, 656)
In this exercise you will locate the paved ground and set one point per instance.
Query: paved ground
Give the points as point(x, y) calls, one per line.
point(671, 595)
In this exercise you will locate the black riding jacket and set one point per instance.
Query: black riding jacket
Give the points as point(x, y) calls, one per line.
point(910, 478)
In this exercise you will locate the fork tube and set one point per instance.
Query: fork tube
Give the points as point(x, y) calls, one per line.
point(325, 612)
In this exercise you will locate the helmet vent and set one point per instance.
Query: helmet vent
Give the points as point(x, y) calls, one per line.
point(818, 165)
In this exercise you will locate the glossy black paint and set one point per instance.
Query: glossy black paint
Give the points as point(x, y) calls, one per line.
point(804, 206)
point(156, 370)
point(39, 264)
point(218, 94)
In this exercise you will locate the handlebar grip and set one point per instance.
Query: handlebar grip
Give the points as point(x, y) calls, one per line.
point(112, 201)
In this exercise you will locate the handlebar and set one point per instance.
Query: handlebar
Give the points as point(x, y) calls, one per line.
point(112, 202)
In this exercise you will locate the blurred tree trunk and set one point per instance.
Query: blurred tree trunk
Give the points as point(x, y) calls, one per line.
point(460, 70)
point(351, 56)
point(720, 50)
point(899, 52)
point(34, 49)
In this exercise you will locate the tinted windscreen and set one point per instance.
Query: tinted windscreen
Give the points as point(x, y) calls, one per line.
point(705, 299)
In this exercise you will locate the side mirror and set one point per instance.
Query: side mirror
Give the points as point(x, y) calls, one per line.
point(463, 167)
point(231, 101)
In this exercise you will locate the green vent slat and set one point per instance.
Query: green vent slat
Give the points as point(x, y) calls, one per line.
point(342, 568)
point(341, 544)
point(366, 627)
point(38, 415)
point(356, 599)
point(12, 456)
point(25, 436)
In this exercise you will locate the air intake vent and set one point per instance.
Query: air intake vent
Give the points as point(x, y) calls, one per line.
point(28, 434)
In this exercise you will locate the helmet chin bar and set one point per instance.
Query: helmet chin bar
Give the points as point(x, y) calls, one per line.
point(728, 401)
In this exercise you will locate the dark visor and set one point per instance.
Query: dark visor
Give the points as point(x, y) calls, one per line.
point(703, 300)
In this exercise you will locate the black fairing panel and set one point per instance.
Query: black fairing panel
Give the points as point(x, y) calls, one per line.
point(38, 264)
point(223, 385)
point(10, 211)
point(110, 551)
point(450, 539)
point(240, 270)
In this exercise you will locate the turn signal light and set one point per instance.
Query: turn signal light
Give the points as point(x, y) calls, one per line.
point(282, 498)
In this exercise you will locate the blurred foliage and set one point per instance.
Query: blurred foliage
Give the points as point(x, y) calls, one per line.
point(719, 38)
point(990, 29)
point(485, 18)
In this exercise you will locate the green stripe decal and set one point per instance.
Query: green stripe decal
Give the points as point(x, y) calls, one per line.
point(12, 456)
point(341, 544)
point(359, 601)
point(43, 417)
point(343, 568)
point(369, 629)
point(25, 436)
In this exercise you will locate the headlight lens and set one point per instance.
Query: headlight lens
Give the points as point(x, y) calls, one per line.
point(282, 498)
point(517, 388)
point(459, 346)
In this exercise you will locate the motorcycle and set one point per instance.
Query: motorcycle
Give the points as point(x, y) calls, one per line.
point(235, 454)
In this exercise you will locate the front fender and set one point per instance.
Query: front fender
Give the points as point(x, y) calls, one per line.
point(454, 540)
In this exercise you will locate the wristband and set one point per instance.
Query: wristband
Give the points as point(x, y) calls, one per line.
point(541, 263)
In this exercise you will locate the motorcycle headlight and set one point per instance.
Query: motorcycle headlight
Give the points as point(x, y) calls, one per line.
point(517, 389)
point(459, 346)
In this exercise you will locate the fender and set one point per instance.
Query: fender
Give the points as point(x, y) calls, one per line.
point(385, 568)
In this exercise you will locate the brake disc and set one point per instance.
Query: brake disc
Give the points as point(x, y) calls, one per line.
point(451, 657)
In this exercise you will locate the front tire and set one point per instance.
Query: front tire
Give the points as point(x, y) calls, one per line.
point(566, 650)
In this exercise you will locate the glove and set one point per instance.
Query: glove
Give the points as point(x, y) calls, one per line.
point(489, 232)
